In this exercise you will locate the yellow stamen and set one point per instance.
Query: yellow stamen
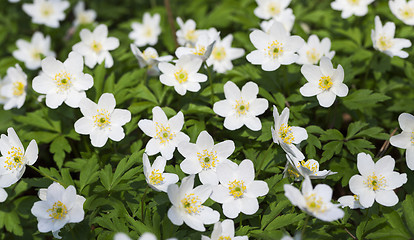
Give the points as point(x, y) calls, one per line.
point(275, 49)
point(191, 36)
point(96, 46)
point(102, 119)
point(274, 9)
point(181, 76)
point(14, 160)
point(315, 204)
point(219, 53)
point(63, 81)
point(156, 177)
point(18, 88)
point(325, 83)
point(46, 9)
point(163, 133)
point(384, 43)
point(241, 107)
point(311, 165)
point(286, 134)
point(353, 2)
point(58, 211)
point(406, 12)
point(199, 50)
point(237, 188)
point(191, 203)
point(313, 56)
point(224, 238)
point(207, 159)
point(375, 182)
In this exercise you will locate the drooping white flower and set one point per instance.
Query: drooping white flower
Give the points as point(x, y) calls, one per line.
point(59, 207)
point(95, 46)
point(384, 41)
point(351, 7)
point(187, 35)
point(238, 191)
point(287, 18)
point(102, 121)
point(202, 47)
point(241, 107)
point(184, 75)
point(31, 53)
point(13, 88)
point(150, 59)
point(223, 54)
point(274, 48)
point(350, 201)
point(146, 32)
point(204, 157)
point(47, 12)
point(405, 140)
point(224, 231)
point(3, 195)
point(155, 176)
point(314, 201)
point(377, 181)
point(165, 133)
point(83, 16)
point(63, 82)
point(324, 81)
point(271, 8)
point(403, 10)
point(187, 205)
point(314, 49)
point(309, 168)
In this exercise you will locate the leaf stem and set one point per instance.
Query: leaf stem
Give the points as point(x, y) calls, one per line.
point(142, 203)
point(304, 227)
point(210, 78)
point(261, 163)
point(44, 174)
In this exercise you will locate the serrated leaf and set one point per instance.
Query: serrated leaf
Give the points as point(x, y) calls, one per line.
point(363, 98)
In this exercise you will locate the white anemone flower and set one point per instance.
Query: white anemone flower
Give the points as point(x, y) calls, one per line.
point(238, 191)
point(351, 201)
point(184, 75)
point(83, 16)
point(314, 201)
point(144, 236)
point(271, 8)
point(95, 46)
point(405, 140)
point(146, 32)
point(165, 133)
point(314, 50)
point(274, 48)
point(287, 18)
point(63, 82)
point(14, 158)
point(202, 47)
point(309, 168)
point(155, 176)
point(324, 81)
point(377, 181)
point(102, 121)
point(204, 157)
point(241, 107)
point(222, 55)
point(224, 231)
point(3, 195)
point(384, 41)
point(13, 88)
point(149, 58)
point(31, 53)
point(187, 35)
point(47, 12)
point(187, 205)
point(403, 10)
point(351, 7)
point(58, 206)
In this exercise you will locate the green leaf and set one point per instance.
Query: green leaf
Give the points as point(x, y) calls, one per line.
point(331, 134)
point(364, 98)
point(358, 145)
point(59, 147)
point(355, 127)
point(408, 213)
point(285, 220)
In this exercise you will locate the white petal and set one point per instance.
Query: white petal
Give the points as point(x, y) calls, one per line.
point(232, 122)
point(175, 216)
point(120, 117)
point(253, 123)
point(402, 140)
point(249, 206)
point(257, 189)
point(98, 137)
point(409, 155)
point(326, 66)
point(231, 91)
point(310, 89)
point(107, 102)
point(365, 164)
point(116, 133)
point(386, 198)
point(222, 108)
point(406, 121)
point(31, 153)
point(384, 165)
point(84, 126)
point(232, 209)
point(326, 98)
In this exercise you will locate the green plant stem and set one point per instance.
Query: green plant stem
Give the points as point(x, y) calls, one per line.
point(142, 203)
point(210, 78)
point(44, 174)
point(304, 227)
point(241, 220)
point(261, 163)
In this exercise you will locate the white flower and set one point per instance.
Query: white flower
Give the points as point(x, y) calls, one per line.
point(165, 133)
point(146, 32)
point(13, 88)
point(377, 181)
point(238, 191)
point(144, 236)
point(308, 168)
point(204, 156)
point(287, 136)
point(314, 49)
point(271, 8)
point(324, 81)
point(83, 16)
point(223, 54)
point(95, 46)
point(405, 140)
point(224, 231)
point(287, 18)
point(60, 206)
point(14, 1)
point(31, 53)
point(47, 12)
point(403, 10)
point(150, 59)
point(384, 41)
point(350, 201)
point(274, 48)
point(241, 107)
point(187, 205)
point(3, 195)
point(102, 121)
point(187, 35)
point(63, 82)
point(155, 176)
point(351, 7)
point(202, 47)
point(122, 236)
point(315, 202)
point(183, 76)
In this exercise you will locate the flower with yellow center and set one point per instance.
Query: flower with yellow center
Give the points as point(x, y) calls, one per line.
point(223, 54)
point(285, 133)
point(351, 201)
point(13, 88)
point(405, 139)
point(271, 8)
point(47, 12)
point(187, 35)
point(207, 159)
point(202, 48)
point(46, 9)
point(224, 231)
point(315, 204)
point(325, 82)
point(83, 16)
point(163, 133)
point(403, 10)
point(96, 46)
point(242, 107)
point(102, 119)
point(14, 160)
point(147, 32)
point(181, 76)
point(314, 49)
point(351, 7)
point(191, 203)
point(58, 211)
point(219, 53)
point(18, 88)
point(155, 176)
point(407, 13)
point(303, 169)
point(236, 188)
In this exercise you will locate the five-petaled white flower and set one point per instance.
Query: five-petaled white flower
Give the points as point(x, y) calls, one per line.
point(241, 107)
point(149, 58)
point(204, 156)
point(377, 181)
point(155, 176)
point(403, 10)
point(47, 12)
point(351, 7)
point(314, 49)
point(13, 88)
point(405, 140)
point(95, 46)
point(14, 158)
point(309, 168)
point(238, 191)
point(184, 75)
point(146, 32)
point(83, 16)
point(287, 18)
point(187, 205)
point(102, 121)
point(314, 201)
point(384, 41)
point(58, 206)
point(203, 47)
point(187, 35)
point(271, 8)
point(224, 231)
point(351, 201)
point(63, 82)
point(223, 54)
point(165, 133)
point(324, 81)
point(274, 48)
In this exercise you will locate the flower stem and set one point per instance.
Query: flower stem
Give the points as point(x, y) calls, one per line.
point(210, 78)
point(304, 227)
point(45, 175)
point(142, 203)
point(261, 163)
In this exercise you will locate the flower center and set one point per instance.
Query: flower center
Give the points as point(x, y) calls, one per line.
point(292, 172)
point(374, 182)
point(148, 32)
point(147, 55)
point(15, 158)
point(273, 8)
point(36, 54)
point(58, 210)
point(18, 88)
point(224, 238)
point(63, 81)
point(412, 137)
point(356, 198)
point(96, 46)
point(286, 134)
point(353, 2)
point(325, 83)
point(83, 18)
point(315, 204)
point(102, 119)
point(199, 50)
point(237, 188)
point(406, 12)
point(275, 49)
point(46, 9)
point(163, 133)
point(191, 203)
point(191, 35)
point(241, 107)
point(156, 177)
point(384, 43)
point(311, 165)
point(219, 53)
point(207, 159)
point(313, 56)
point(181, 76)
